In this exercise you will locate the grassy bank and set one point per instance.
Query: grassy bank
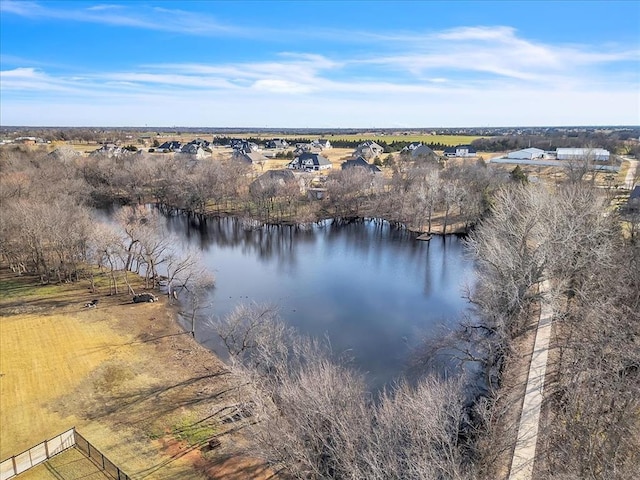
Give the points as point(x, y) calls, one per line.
point(143, 392)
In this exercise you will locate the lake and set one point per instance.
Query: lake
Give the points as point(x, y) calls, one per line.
point(370, 287)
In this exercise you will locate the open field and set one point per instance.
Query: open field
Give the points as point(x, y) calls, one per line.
point(137, 387)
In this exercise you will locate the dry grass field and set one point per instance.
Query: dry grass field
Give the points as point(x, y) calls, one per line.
point(125, 375)
point(68, 465)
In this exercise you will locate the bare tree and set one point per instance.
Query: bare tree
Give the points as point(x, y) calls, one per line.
point(511, 254)
point(186, 272)
point(426, 195)
point(348, 189)
point(246, 326)
point(49, 239)
point(314, 418)
point(106, 252)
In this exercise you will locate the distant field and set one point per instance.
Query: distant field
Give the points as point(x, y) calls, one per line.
point(450, 140)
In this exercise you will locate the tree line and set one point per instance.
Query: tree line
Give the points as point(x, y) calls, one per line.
point(49, 229)
point(414, 192)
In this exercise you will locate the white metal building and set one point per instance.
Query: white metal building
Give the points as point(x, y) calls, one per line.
point(596, 154)
point(527, 154)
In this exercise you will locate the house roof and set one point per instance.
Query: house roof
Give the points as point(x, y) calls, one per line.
point(422, 151)
point(370, 146)
point(277, 143)
point(369, 143)
point(191, 148)
point(249, 157)
point(468, 147)
point(535, 151)
point(201, 142)
point(315, 158)
point(64, 152)
point(359, 162)
point(581, 151)
point(454, 150)
point(172, 145)
point(635, 193)
point(282, 177)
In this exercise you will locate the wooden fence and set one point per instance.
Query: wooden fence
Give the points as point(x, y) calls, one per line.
point(40, 453)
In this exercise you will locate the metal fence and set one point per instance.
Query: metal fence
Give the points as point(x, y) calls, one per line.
point(98, 458)
point(40, 453)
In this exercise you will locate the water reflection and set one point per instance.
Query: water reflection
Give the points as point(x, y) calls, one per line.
point(369, 286)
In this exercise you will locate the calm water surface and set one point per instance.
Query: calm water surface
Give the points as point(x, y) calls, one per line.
point(370, 287)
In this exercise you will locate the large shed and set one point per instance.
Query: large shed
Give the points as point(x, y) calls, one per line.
point(595, 154)
point(526, 154)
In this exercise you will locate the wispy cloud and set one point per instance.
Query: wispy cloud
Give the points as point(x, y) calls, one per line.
point(402, 74)
point(501, 54)
point(139, 16)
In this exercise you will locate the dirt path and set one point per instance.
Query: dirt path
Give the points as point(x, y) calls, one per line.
point(631, 173)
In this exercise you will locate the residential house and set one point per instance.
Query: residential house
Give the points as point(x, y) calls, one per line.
point(368, 150)
point(172, 146)
point(194, 151)
point(306, 148)
point(274, 178)
point(527, 154)
point(360, 162)
point(310, 161)
point(64, 153)
point(110, 150)
point(423, 152)
point(28, 140)
point(323, 143)
point(202, 143)
point(460, 151)
point(247, 147)
point(412, 146)
point(277, 143)
point(249, 157)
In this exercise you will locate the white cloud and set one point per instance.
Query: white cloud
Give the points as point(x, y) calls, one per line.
point(480, 75)
point(280, 86)
point(31, 79)
point(142, 16)
point(100, 8)
point(498, 53)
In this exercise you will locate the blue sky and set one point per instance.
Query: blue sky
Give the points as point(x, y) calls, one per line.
point(319, 64)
